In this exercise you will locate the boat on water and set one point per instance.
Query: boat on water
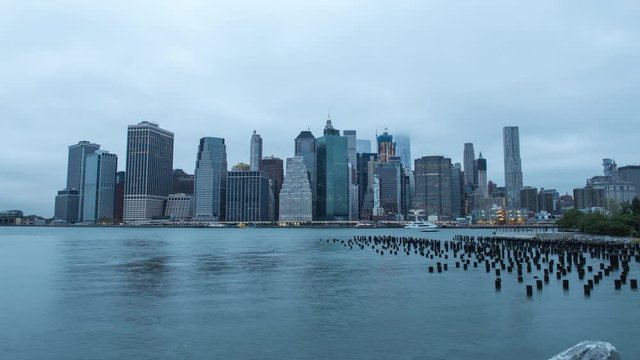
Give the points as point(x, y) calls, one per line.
point(366, 224)
point(423, 226)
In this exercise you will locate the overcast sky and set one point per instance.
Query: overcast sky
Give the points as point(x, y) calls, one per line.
point(447, 72)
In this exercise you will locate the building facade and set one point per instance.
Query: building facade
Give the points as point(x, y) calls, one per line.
point(149, 174)
point(529, 199)
point(295, 200)
point(76, 169)
point(118, 209)
point(332, 172)
point(255, 152)
point(363, 146)
point(183, 183)
point(178, 207)
point(274, 168)
point(209, 200)
point(67, 205)
point(403, 150)
point(512, 166)
point(248, 196)
point(100, 186)
point(433, 185)
point(631, 174)
point(386, 147)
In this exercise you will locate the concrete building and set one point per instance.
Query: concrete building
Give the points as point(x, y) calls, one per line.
point(588, 197)
point(512, 166)
point(210, 191)
point(548, 200)
point(433, 186)
point(100, 186)
point(183, 183)
point(248, 196)
point(149, 174)
point(67, 205)
point(529, 199)
point(178, 207)
point(255, 152)
point(468, 158)
point(295, 198)
point(631, 174)
point(332, 171)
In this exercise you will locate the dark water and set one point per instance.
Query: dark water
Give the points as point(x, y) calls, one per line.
point(86, 293)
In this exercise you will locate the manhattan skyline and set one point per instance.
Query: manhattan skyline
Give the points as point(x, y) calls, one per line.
point(565, 78)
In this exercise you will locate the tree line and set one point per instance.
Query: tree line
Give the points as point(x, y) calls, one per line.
point(622, 220)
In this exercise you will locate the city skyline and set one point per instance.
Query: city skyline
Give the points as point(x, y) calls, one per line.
point(566, 78)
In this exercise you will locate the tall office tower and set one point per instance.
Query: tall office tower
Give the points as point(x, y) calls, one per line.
point(149, 171)
point(482, 175)
point(118, 210)
point(210, 180)
point(469, 156)
point(76, 169)
point(248, 196)
point(386, 147)
point(305, 147)
point(363, 146)
point(378, 210)
point(363, 183)
point(433, 185)
point(353, 192)
point(178, 206)
point(529, 198)
point(332, 172)
point(255, 154)
point(183, 183)
point(274, 169)
point(390, 184)
point(631, 174)
point(351, 147)
point(295, 197)
point(66, 206)
point(456, 190)
point(512, 166)
point(403, 149)
point(100, 186)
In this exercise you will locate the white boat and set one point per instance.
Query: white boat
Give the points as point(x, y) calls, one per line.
point(423, 226)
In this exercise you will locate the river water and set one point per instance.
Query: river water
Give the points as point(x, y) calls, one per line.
point(139, 293)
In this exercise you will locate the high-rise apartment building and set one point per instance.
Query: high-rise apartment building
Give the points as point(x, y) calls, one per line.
point(433, 185)
point(248, 196)
point(255, 152)
point(296, 203)
point(403, 150)
point(100, 186)
point(149, 177)
point(512, 166)
point(332, 172)
point(210, 180)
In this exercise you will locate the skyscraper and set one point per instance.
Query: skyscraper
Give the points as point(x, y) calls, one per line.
point(210, 180)
point(296, 197)
point(255, 154)
point(433, 185)
point(364, 185)
point(305, 147)
point(66, 205)
point(363, 146)
point(274, 169)
point(390, 183)
point(149, 171)
point(248, 196)
point(512, 166)
point(118, 215)
point(332, 171)
point(403, 150)
point(482, 175)
point(351, 146)
point(76, 168)
point(99, 186)
point(469, 156)
point(386, 147)
point(456, 190)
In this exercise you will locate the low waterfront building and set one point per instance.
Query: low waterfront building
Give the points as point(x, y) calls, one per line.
point(67, 205)
point(178, 207)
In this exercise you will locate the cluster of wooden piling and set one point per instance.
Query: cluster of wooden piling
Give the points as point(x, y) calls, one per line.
point(591, 260)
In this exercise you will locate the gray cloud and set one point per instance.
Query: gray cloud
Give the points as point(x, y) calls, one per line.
point(447, 72)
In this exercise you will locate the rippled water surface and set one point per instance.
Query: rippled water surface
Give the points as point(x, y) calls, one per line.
point(108, 293)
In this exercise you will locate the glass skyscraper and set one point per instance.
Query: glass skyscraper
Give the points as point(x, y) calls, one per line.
point(76, 169)
point(403, 150)
point(100, 186)
point(149, 178)
point(210, 184)
point(512, 166)
point(332, 194)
